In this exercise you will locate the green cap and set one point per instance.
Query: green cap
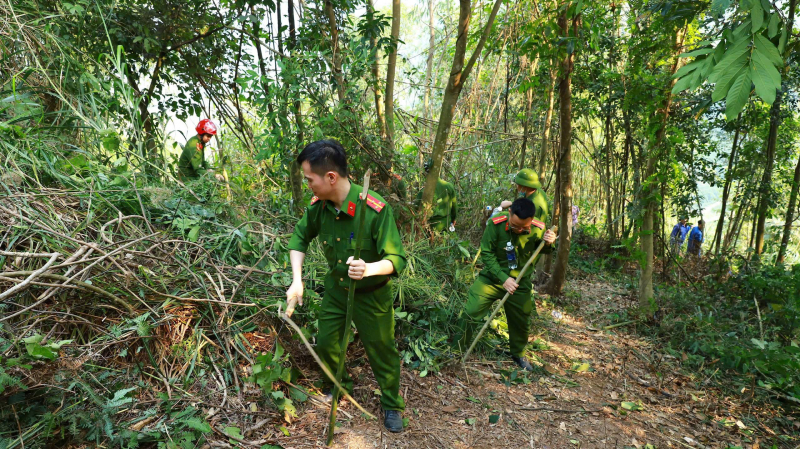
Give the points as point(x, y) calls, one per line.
point(528, 178)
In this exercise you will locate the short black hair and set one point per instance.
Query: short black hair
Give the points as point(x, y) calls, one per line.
point(523, 208)
point(701, 222)
point(324, 156)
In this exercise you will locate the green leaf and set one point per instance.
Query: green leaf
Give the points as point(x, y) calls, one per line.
point(470, 421)
point(690, 82)
point(233, 432)
point(198, 424)
point(493, 419)
point(194, 233)
point(687, 68)
point(698, 52)
point(765, 76)
point(757, 15)
point(737, 95)
point(632, 406)
point(284, 430)
point(581, 368)
point(742, 31)
point(719, 6)
point(726, 80)
point(298, 395)
point(763, 45)
point(33, 339)
point(730, 60)
point(38, 351)
point(772, 29)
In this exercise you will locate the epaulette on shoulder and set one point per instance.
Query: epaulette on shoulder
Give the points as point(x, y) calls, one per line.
point(314, 201)
point(375, 203)
point(499, 219)
point(538, 223)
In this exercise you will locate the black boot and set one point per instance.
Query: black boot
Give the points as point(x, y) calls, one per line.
point(522, 363)
point(393, 421)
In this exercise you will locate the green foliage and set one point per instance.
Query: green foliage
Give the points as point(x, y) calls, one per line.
point(748, 323)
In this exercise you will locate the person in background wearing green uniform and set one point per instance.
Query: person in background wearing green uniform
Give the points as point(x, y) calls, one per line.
point(331, 218)
point(444, 204)
point(192, 158)
point(528, 186)
point(508, 242)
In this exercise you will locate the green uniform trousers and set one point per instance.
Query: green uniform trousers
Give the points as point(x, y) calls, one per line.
point(518, 307)
point(438, 225)
point(374, 318)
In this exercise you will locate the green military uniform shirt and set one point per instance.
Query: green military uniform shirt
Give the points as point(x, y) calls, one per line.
point(488, 287)
point(192, 159)
point(444, 205)
point(493, 250)
point(542, 203)
point(337, 229)
point(373, 312)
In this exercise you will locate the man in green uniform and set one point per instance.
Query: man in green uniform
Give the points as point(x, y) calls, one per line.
point(528, 186)
point(331, 217)
point(516, 233)
point(193, 155)
point(444, 204)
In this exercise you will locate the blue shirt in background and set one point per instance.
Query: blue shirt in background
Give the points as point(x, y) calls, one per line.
point(696, 234)
point(679, 232)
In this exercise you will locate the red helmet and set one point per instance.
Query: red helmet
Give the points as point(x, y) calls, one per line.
point(206, 126)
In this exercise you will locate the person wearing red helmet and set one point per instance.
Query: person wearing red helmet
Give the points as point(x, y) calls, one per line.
point(193, 155)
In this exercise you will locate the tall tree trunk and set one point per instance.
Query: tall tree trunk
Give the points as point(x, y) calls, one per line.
point(388, 150)
point(429, 63)
point(647, 233)
point(726, 191)
point(376, 82)
point(295, 174)
point(565, 164)
point(548, 123)
point(458, 76)
point(626, 119)
point(765, 191)
point(256, 36)
point(336, 58)
point(526, 125)
point(607, 168)
point(787, 225)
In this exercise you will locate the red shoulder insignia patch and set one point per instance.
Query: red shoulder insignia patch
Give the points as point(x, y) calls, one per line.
point(374, 203)
point(537, 223)
point(351, 209)
point(499, 219)
point(314, 200)
point(199, 146)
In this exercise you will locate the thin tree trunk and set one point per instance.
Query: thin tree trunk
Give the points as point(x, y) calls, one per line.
point(295, 174)
point(565, 164)
point(526, 125)
point(548, 123)
point(765, 190)
point(458, 76)
point(787, 225)
point(647, 233)
point(376, 82)
point(336, 54)
point(261, 63)
point(429, 63)
point(726, 191)
point(607, 168)
point(390, 74)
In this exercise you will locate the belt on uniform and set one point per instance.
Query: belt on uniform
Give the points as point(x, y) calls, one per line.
point(370, 288)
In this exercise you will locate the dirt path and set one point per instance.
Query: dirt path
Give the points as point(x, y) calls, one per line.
point(589, 377)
